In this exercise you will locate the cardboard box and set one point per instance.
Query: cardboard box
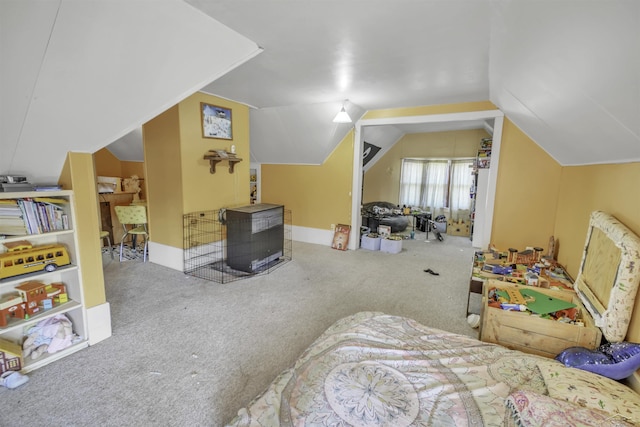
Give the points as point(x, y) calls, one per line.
point(455, 228)
point(370, 243)
point(532, 334)
point(341, 237)
point(10, 356)
point(391, 246)
point(109, 184)
point(384, 230)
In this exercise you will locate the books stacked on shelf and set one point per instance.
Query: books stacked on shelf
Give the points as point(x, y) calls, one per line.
point(11, 221)
point(43, 215)
point(6, 187)
point(32, 216)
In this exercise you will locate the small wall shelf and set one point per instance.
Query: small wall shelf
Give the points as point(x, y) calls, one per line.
point(217, 156)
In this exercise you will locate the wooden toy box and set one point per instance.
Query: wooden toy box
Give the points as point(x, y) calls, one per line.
point(605, 293)
point(526, 332)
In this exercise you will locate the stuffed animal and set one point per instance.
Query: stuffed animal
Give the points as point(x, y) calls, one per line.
point(50, 335)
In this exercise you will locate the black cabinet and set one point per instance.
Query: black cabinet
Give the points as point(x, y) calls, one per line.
point(255, 236)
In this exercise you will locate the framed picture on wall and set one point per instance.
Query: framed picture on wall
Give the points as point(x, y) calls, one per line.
point(216, 121)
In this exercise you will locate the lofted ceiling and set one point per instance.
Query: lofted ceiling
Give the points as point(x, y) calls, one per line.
point(565, 72)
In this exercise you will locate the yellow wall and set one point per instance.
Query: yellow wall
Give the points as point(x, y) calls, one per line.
point(318, 195)
point(109, 165)
point(382, 180)
point(201, 189)
point(584, 189)
point(78, 174)
point(161, 139)
point(177, 176)
point(430, 109)
point(526, 193)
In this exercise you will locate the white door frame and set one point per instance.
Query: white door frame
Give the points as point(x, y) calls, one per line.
point(356, 189)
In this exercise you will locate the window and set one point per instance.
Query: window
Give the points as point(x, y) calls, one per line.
point(436, 184)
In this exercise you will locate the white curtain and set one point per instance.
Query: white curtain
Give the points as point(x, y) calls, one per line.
point(434, 185)
point(461, 182)
point(411, 182)
point(424, 184)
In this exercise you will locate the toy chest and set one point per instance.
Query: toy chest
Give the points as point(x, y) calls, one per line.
point(531, 334)
point(391, 246)
point(605, 292)
point(458, 229)
point(370, 243)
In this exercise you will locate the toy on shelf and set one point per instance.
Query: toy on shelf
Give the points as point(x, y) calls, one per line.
point(529, 267)
point(31, 298)
point(22, 258)
point(10, 356)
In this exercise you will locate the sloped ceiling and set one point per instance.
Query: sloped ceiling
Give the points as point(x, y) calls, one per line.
point(79, 75)
point(568, 74)
point(377, 54)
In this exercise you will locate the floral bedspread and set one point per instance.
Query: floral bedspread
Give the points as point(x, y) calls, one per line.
point(372, 369)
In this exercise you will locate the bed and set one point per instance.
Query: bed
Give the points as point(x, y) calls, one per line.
point(374, 369)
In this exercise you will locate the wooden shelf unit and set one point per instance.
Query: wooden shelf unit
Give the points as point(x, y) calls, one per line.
point(74, 309)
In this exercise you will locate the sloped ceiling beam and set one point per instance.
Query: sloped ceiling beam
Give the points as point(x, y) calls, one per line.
point(79, 75)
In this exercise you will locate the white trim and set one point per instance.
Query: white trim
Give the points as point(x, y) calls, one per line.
point(493, 181)
point(167, 256)
point(99, 323)
point(356, 188)
point(312, 235)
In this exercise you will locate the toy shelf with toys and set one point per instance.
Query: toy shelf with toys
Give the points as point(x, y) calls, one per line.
point(42, 311)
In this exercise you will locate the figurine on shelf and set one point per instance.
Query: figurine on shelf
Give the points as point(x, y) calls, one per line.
point(133, 185)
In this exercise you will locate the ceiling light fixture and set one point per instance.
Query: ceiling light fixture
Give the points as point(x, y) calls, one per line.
point(342, 116)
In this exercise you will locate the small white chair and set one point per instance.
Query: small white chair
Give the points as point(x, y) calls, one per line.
point(134, 223)
point(105, 235)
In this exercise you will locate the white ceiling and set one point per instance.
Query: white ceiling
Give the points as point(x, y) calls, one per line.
point(566, 72)
point(78, 75)
point(377, 54)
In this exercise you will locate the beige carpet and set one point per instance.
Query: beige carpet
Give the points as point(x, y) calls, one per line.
point(186, 351)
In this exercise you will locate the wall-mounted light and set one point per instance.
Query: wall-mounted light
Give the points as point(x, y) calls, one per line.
point(342, 116)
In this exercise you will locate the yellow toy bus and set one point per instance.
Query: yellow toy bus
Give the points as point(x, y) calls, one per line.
point(23, 261)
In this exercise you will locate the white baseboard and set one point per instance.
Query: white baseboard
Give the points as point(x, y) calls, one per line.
point(311, 235)
point(172, 257)
point(99, 323)
point(167, 256)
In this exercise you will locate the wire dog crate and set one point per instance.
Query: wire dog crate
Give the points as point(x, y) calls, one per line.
point(231, 244)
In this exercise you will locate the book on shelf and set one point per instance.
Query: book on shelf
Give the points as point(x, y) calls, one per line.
point(39, 215)
point(11, 221)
